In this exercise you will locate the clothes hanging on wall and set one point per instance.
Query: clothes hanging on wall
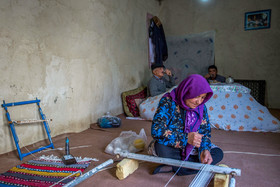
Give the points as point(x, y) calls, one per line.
point(151, 51)
point(157, 37)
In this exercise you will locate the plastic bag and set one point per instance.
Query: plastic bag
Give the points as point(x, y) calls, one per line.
point(128, 141)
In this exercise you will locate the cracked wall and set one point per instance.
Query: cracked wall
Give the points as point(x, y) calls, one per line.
point(76, 56)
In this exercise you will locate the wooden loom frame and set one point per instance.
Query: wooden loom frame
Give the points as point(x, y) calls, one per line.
point(12, 125)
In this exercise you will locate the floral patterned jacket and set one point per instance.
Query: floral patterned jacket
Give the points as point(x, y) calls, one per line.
point(168, 126)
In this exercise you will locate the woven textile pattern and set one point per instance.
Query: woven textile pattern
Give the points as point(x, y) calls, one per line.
point(42, 172)
point(128, 99)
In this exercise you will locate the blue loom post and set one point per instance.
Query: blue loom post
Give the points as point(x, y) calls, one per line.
point(12, 126)
point(48, 131)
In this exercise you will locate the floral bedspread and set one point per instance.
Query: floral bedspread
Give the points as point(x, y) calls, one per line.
point(230, 108)
point(236, 87)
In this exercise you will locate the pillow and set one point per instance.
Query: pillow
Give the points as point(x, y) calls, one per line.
point(128, 99)
point(138, 102)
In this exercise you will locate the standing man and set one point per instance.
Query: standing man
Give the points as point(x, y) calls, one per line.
point(158, 84)
point(212, 75)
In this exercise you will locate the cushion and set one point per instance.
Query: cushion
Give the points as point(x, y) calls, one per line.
point(128, 99)
point(138, 102)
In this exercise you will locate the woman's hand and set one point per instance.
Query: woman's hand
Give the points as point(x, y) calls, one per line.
point(194, 139)
point(205, 157)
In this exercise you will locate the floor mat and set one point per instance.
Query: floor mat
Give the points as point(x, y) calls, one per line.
point(43, 171)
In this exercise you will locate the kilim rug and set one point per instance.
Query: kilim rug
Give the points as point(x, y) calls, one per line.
point(44, 171)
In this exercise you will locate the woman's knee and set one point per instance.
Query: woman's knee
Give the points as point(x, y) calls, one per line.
point(167, 152)
point(217, 155)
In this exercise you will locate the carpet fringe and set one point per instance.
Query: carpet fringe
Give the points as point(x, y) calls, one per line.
point(56, 158)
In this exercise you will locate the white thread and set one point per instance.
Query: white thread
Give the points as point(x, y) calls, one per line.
point(194, 181)
point(250, 153)
point(203, 177)
point(30, 152)
point(61, 148)
point(31, 121)
point(177, 170)
point(174, 174)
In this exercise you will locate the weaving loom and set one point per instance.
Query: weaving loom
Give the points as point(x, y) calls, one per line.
point(12, 124)
point(202, 178)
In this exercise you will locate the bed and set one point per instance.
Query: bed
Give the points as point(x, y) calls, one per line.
point(231, 108)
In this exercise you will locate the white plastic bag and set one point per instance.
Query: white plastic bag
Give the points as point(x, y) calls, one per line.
point(128, 141)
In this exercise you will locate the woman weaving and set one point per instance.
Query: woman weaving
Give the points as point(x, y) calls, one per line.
point(181, 127)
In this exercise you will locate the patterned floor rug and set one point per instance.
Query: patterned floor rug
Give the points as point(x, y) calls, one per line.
point(44, 171)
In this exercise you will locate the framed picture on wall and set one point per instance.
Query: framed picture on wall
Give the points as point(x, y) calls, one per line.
point(257, 20)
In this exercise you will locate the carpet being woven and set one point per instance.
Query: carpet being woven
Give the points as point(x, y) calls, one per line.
point(44, 171)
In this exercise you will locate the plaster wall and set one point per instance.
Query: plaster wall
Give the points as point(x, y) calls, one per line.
point(252, 55)
point(76, 56)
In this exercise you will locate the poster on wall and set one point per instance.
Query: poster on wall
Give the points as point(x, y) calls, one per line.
point(257, 20)
point(190, 54)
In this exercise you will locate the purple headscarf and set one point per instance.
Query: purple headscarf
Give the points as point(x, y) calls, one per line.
point(191, 87)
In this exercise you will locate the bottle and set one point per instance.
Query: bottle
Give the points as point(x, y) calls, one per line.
point(67, 152)
point(229, 80)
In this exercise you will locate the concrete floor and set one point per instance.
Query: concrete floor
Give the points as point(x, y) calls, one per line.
point(257, 169)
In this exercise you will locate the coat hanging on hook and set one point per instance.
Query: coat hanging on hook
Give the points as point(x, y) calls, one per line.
point(157, 36)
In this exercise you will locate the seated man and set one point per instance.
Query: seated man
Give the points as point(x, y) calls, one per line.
point(158, 84)
point(212, 75)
